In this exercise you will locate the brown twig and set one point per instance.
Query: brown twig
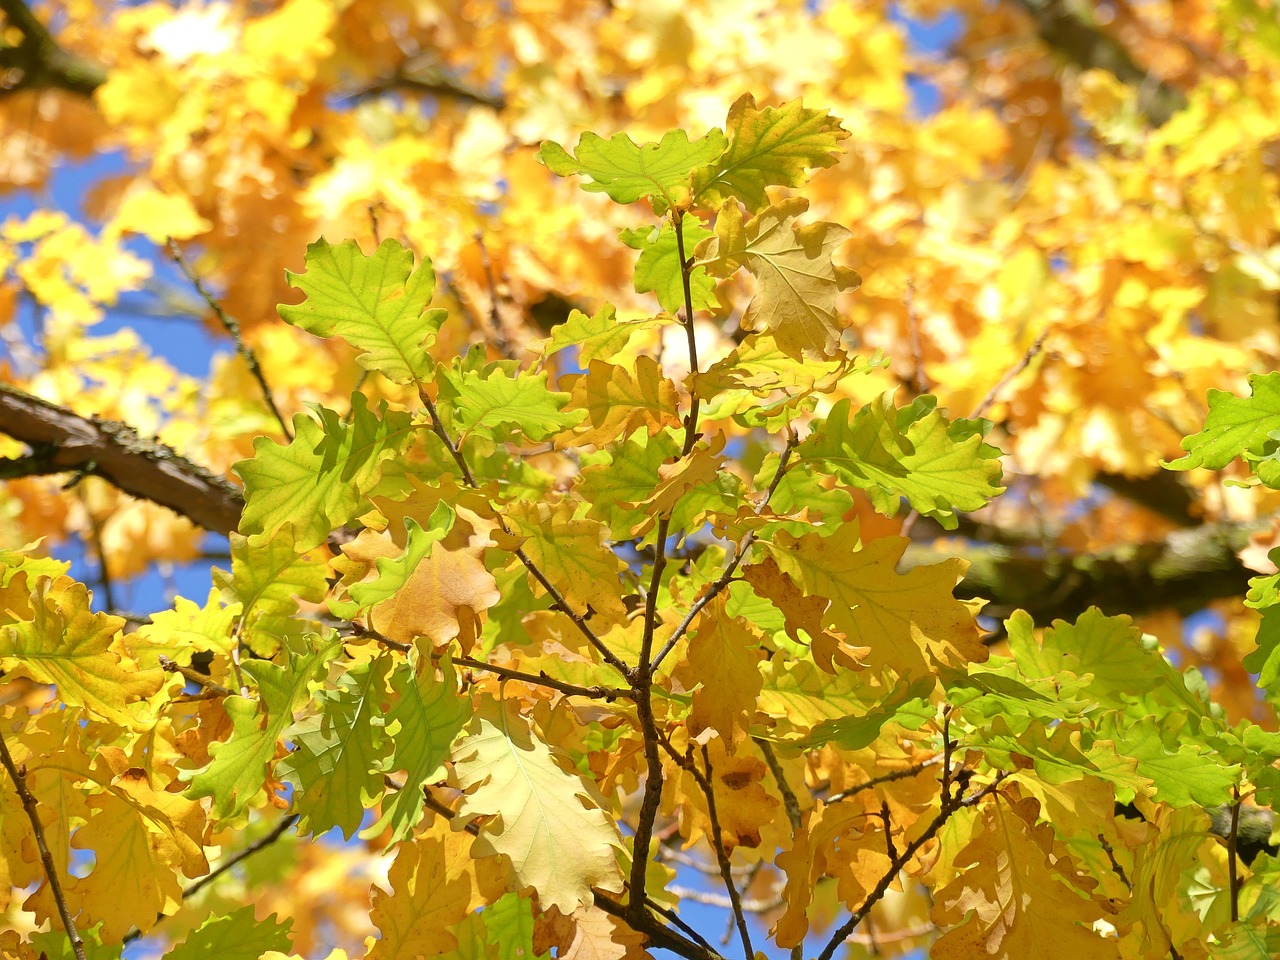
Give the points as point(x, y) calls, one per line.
point(29, 803)
point(579, 621)
point(1233, 879)
point(722, 856)
point(598, 692)
point(233, 328)
point(495, 318)
point(903, 774)
point(196, 677)
point(240, 856)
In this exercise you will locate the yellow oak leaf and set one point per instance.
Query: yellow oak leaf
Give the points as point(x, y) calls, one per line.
point(796, 281)
point(675, 479)
point(909, 621)
point(801, 612)
point(817, 853)
point(723, 670)
point(140, 836)
point(66, 644)
point(744, 808)
point(618, 402)
point(599, 936)
point(442, 599)
point(435, 882)
point(158, 215)
point(1020, 894)
point(549, 823)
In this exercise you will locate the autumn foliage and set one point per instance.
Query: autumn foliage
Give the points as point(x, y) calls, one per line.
point(680, 479)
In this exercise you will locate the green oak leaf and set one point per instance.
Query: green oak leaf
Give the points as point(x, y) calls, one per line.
point(322, 479)
point(1191, 774)
point(773, 146)
point(914, 452)
point(426, 717)
point(492, 403)
point(508, 924)
point(908, 705)
point(237, 936)
point(394, 572)
point(269, 575)
point(627, 171)
point(238, 769)
point(1247, 427)
point(336, 761)
point(658, 266)
point(1104, 659)
point(377, 303)
point(624, 473)
point(601, 336)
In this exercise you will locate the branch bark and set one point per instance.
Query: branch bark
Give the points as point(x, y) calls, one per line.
point(1083, 44)
point(39, 62)
point(63, 441)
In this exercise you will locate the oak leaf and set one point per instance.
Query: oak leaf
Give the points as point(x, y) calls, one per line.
point(1020, 893)
point(797, 284)
point(549, 823)
point(773, 146)
point(376, 303)
point(619, 402)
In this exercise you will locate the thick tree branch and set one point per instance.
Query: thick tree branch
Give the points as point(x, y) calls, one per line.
point(1183, 572)
point(1089, 48)
point(63, 441)
point(38, 62)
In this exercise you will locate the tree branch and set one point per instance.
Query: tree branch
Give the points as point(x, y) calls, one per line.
point(38, 62)
point(147, 469)
point(1089, 48)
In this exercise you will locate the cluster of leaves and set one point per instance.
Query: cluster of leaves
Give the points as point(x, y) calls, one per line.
point(634, 577)
point(554, 626)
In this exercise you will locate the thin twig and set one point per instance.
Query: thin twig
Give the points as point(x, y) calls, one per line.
point(191, 890)
point(708, 788)
point(713, 899)
point(900, 861)
point(906, 772)
point(95, 532)
point(195, 676)
point(29, 803)
point(993, 394)
point(789, 801)
point(731, 567)
point(987, 402)
point(540, 679)
point(913, 329)
point(1115, 865)
point(686, 270)
point(233, 328)
point(261, 843)
point(437, 426)
point(495, 318)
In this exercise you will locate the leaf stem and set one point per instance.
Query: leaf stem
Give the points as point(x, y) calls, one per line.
point(29, 803)
point(686, 269)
